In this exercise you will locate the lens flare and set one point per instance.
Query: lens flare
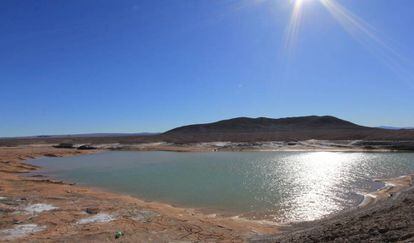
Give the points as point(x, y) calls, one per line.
point(293, 27)
point(360, 30)
point(369, 37)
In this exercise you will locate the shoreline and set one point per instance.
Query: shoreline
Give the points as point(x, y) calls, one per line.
point(138, 219)
point(392, 188)
point(242, 229)
point(296, 146)
point(389, 219)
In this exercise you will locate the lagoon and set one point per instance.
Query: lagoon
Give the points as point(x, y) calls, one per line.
point(283, 187)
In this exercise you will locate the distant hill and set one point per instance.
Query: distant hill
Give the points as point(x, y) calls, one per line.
point(396, 128)
point(246, 129)
point(242, 129)
point(92, 138)
point(85, 135)
point(263, 124)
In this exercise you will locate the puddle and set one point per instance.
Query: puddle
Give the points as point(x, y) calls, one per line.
point(20, 231)
point(99, 218)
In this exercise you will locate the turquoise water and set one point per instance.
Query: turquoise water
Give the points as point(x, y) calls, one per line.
point(279, 186)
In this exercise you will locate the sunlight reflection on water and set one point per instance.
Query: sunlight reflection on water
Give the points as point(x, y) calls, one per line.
point(316, 176)
point(310, 182)
point(280, 186)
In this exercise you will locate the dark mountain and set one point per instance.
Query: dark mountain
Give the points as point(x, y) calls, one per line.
point(244, 129)
point(263, 124)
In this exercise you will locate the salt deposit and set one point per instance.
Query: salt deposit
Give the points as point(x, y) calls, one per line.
point(20, 231)
point(99, 218)
point(38, 208)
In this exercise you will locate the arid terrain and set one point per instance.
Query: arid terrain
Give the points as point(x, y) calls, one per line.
point(42, 209)
point(250, 132)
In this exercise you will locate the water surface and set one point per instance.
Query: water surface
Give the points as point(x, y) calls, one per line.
point(281, 186)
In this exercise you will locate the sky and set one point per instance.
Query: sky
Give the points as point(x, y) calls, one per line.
point(151, 65)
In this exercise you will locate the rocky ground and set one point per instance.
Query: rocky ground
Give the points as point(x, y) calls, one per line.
point(307, 145)
point(387, 221)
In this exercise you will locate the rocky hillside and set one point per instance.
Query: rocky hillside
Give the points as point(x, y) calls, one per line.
point(263, 124)
point(283, 129)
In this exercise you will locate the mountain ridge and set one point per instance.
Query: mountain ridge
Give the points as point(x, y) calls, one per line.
point(264, 124)
point(245, 129)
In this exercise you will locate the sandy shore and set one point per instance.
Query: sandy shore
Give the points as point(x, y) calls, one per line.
point(299, 146)
point(38, 208)
point(41, 209)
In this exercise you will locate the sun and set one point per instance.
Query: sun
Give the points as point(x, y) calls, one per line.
point(294, 25)
point(300, 2)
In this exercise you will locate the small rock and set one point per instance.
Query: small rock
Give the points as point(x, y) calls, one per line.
point(50, 155)
point(382, 230)
point(92, 210)
point(16, 221)
point(86, 147)
point(64, 145)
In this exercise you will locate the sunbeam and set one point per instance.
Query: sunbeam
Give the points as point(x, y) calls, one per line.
point(293, 27)
point(365, 34)
point(359, 29)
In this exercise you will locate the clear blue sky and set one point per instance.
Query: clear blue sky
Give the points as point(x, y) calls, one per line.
point(130, 66)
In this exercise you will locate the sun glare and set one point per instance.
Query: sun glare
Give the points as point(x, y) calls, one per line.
point(359, 29)
point(294, 25)
point(301, 2)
